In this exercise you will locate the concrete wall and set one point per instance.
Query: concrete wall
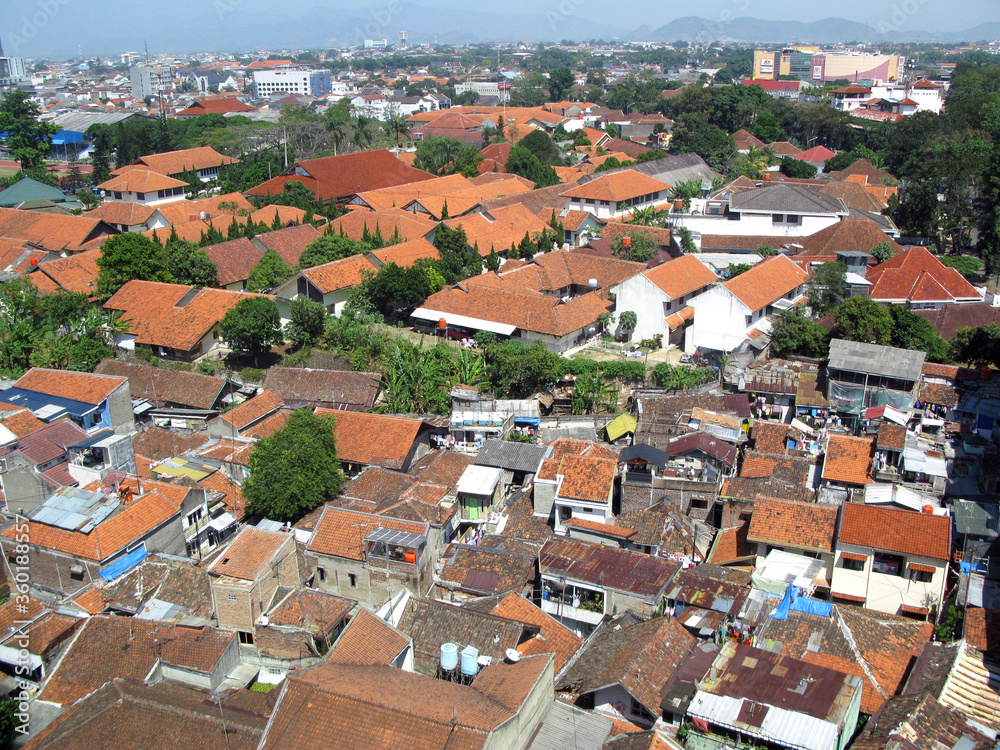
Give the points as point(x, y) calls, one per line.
point(616, 701)
point(120, 409)
point(519, 731)
point(887, 593)
point(22, 487)
point(250, 597)
point(717, 312)
point(757, 225)
point(544, 494)
point(373, 585)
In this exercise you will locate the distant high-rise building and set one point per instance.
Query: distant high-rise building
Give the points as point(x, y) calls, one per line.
point(812, 64)
point(145, 81)
point(11, 68)
point(376, 43)
point(267, 83)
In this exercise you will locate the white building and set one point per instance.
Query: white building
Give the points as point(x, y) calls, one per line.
point(726, 314)
point(659, 298)
point(499, 90)
point(617, 194)
point(775, 210)
point(892, 560)
point(145, 81)
point(267, 83)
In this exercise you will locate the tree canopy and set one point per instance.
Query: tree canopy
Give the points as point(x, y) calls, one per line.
point(296, 469)
point(28, 139)
point(330, 247)
point(270, 271)
point(252, 326)
point(129, 256)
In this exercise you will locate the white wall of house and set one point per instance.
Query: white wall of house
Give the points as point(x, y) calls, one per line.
point(650, 304)
point(826, 557)
point(612, 209)
point(153, 198)
point(759, 224)
point(598, 512)
point(718, 313)
point(888, 592)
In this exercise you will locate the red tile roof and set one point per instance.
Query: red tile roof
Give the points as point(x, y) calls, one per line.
point(769, 280)
point(406, 254)
point(849, 460)
point(76, 273)
point(250, 554)
point(619, 186)
point(252, 410)
point(79, 386)
point(339, 177)
point(166, 385)
point(54, 232)
point(158, 318)
point(794, 524)
point(916, 275)
point(290, 241)
point(586, 478)
point(140, 181)
point(340, 274)
point(368, 640)
point(552, 637)
point(681, 276)
point(176, 162)
point(234, 259)
point(374, 439)
point(341, 532)
point(904, 531)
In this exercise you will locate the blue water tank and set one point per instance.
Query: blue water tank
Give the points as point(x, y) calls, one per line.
point(449, 656)
point(470, 655)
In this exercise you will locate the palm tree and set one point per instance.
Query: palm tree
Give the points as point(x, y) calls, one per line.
point(364, 131)
point(757, 160)
point(725, 362)
point(337, 131)
point(397, 125)
point(446, 151)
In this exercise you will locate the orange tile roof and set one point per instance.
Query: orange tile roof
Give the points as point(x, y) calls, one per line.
point(368, 640)
point(587, 478)
point(54, 232)
point(232, 494)
point(181, 212)
point(215, 106)
point(111, 536)
point(894, 530)
point(849, 459)
point(405, 254)
point(552, 638)
point(918, 276)
point(601, 528)
point(731, 545)
point(408, 225)
point(340, 274)
point(20, 421)
point(341, 532)
point(252, 409)
point(618, 186)
point(462, 201)
point(398, 196)
point(250, 553)
point(157, 319)
point(176, 162)
point(374, 439)
point(848, 235)
point(125, 213)
point(681, 276)
point(289, 242)
point(338, 177)
point(794, 524)
point(78, 386)
point(982, 629)
point(75, 273)
point(499, 228)
point(234, 259)
point(141, 181)
point(766, 282)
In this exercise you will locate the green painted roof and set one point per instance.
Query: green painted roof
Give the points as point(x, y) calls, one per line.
point(620, 425)
point(29, 189)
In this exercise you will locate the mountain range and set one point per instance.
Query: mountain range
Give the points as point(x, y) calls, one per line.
point(234, 25)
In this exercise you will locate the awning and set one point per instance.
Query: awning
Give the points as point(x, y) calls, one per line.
point(222, 521)
point(463, 321)
point(620, 426)
point(533, 421)
point(123, 565)
point(848, 597)
point(11, 655)
point(853, 556)
point(922, 611)
point(923, 568)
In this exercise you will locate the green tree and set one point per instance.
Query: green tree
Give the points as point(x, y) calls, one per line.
point(129, 256)
point(735, 269)
point(916, 210)
point(189, 264)
point(307, 322)
point(10, 724)
point(330, 247)
point(881, 252)
point(436, 155)
point(979, 347)
point(864, 320)
point(796, 168)
point(458, 261)
point(826, 287)
point(641, 248)
point(296, 469)
point(542, 146)
point(910, 331)
point(252, 326)
point(561, 80)
point(270, 271)
point(87, 198)
point(418, 379)
point(524, 163)
point(794, 333)
point(518, 370)
point(28, 139)
point(767, 127)
point(627, 321)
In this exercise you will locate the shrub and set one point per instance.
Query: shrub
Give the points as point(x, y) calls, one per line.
point(252, 375)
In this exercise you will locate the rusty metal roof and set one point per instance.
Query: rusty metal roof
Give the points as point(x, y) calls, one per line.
point(641, 575)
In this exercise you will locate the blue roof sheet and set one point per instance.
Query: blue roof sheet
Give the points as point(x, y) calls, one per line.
point(35, 401)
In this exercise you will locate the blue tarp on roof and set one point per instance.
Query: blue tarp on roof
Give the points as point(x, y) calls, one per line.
point(533, 421)
point(123, 565)
point(64, 137)
point(792, 602)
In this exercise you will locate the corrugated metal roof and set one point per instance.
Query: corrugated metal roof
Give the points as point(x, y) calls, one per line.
point(479, 480)
point(46, 407)
point(872, 359)
point(568, 726)
point(504, 454)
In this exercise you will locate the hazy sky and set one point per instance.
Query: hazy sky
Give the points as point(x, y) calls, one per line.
point(62, 27)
